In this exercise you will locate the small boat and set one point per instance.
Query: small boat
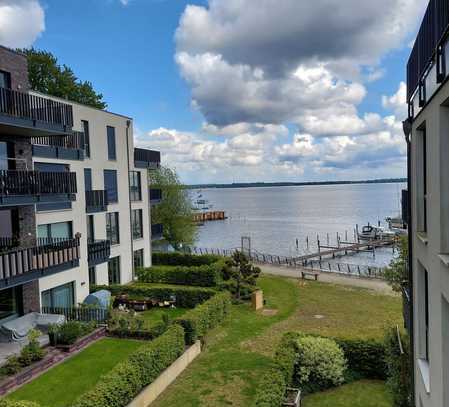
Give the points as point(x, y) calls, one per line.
point(397, 225)
point(375, 233)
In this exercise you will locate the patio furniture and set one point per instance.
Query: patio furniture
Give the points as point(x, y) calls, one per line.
point(101, 299)
point(17, 329)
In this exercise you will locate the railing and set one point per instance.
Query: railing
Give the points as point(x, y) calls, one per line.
point(26, 106)
point(98, 251)
point(432, 31)
point(14, 182)
point(146, 158)
point(75, 140)
point(155, 195)
point(96, 200)
point(84, 314)
point(406, 307)
point(156, 231)
point(42, 254)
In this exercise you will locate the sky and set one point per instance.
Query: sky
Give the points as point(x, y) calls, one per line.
point(241, 90)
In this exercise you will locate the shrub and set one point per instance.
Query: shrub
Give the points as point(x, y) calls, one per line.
point(320, 363)
point(125, 380)
point(271, 389)
point(32, 352)
point(181, 259)
point(19, 403)
point(399, 369)
point(12, 366)
point(203, 276)
point(366, 358)
point(285, 356)
point(199, 320)
point(69, 332)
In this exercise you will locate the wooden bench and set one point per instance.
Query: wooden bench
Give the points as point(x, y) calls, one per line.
point(310, 273)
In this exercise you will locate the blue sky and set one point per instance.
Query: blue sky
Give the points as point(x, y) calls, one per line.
point(241, 90)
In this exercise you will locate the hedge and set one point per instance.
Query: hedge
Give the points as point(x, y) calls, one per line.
point(199, 320)
point(203, 276)
point(271, 389)
point(181, 259)
point(186, 297)
point(19, 403)
point(118, 387)
point(285, 356)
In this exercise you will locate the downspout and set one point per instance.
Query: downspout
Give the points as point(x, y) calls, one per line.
point(128, 123)
point(407, 127)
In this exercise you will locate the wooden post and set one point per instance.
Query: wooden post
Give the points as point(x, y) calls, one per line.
point(327, 240)
point(319, 248)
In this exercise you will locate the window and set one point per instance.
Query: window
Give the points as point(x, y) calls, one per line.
point(10, 302)
point(60, 230)
point(423, 313)
point(135, 190)
point(90, 228)
point(114, 270)
point(5, 80)
point(59, 297)
point(110, 185)
point(137, 224)
point(112, 228)
point(85, 126)
point(92, 275)
point(138, 259)
point(50, 167)
point(112, 154)
point(87, 179)
point(421, 176)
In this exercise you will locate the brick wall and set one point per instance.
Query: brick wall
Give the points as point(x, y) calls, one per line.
point(30, 295)
point(16, 64)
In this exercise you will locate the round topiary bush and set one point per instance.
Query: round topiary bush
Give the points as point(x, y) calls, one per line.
point(320, 363)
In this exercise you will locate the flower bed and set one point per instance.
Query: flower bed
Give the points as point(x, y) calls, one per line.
point(82, 341)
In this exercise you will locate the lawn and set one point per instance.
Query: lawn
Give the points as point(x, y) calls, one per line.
point(238, 352)
point(365, 393)
point(63, 384)
point(154, 315)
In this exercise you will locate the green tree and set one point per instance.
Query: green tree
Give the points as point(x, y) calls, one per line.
point(175, 210)
point(47, 76)
point(396, 273)
point(241, 272)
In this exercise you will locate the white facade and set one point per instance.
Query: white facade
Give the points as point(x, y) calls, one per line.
point(98, 161)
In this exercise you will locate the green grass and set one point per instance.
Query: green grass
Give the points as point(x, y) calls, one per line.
point(238, 352)
point(63, 384)
point(154, 315)
point(365, 393)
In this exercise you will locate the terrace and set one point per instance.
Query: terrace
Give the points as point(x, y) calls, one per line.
point(98, 251)
point(155, 196)
point(96, 201)
point(69, 147)
point(144, 158)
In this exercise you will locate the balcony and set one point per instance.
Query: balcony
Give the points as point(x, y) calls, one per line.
point(19, 265)
point(98, 251)
point(155, 196)
point(29, 187)
point(156, 232)
point(147, 158)
point(96, 201)
point(25, 114)
point(69, 147)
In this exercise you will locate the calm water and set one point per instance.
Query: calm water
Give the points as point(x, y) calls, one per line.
point(275, 217)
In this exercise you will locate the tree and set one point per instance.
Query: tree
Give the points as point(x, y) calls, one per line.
point(175, 210)
point(241, 272)
point(396, 273)
point(46, 76)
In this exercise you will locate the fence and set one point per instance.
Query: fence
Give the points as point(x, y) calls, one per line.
point(83, 314)
point(358, 270)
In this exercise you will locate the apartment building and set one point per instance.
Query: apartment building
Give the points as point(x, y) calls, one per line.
point(427, 132)
point(75, 202)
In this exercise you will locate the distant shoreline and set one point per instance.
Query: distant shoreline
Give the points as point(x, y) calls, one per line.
point(295, 184)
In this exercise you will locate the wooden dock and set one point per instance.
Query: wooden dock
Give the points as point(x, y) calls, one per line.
point(209, 216)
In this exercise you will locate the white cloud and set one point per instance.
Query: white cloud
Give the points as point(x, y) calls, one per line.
point(21, 22)
point(397, 103)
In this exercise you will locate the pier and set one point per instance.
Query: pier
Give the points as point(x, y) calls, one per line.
point(209, 216)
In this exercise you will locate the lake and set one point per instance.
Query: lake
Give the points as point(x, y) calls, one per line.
point(274, 217)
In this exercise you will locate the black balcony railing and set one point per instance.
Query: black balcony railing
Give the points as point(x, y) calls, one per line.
point(427, 48)
point(98, 251)
point(155, 195)
point(31, 107)
point(41, 257)
point(157, 231)
point(147, 158)
point(75, 141)
point(96, 201)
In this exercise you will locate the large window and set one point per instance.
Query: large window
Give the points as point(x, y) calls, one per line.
point(110, 185)
point(135, 189)
point(138, 259)
point(421, 185)
point(5, 79)
point(92, 275)
point(137, 223)
point(112, 154)
point(112, 228)
point(114, 270)
point(61, 296)
point(85, 126)
point(10, 302)
point(59, 230)
point(90, 228)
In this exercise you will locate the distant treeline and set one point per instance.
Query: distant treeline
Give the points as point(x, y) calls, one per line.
point(295, 184)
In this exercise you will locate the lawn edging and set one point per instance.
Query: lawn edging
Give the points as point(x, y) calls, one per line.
point(153, 390)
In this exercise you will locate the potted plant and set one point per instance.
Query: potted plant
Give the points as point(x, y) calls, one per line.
point(292, 397)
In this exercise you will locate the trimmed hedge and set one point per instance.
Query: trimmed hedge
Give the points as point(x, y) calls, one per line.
point(186, 297)
point(285, 356)
point(203, 276)
point(199, 320)
point(181, 259)
point(271, 389)
point(118, 387)
point(19, 403)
